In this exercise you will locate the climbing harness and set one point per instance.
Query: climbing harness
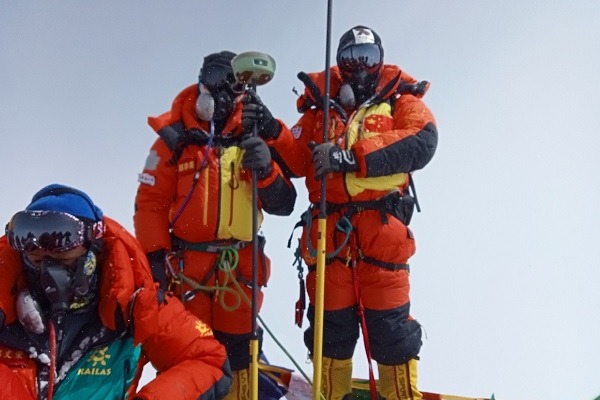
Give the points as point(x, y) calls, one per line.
point(395, 204)
point(226, 262)
point(343, 224)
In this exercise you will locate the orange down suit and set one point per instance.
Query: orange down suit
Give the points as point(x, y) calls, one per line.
point(217, 210)
point(191, 363)
point(390, 138)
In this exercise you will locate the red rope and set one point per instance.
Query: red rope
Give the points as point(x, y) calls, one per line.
point(52, 360)
point(363, 326)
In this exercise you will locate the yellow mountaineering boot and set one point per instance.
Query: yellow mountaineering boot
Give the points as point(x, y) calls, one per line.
point(399, 382)
point(240, 385)
point(336, 378)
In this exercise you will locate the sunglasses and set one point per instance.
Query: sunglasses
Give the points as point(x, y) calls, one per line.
point(362, 57)
point(47, 230)
point(218, 77)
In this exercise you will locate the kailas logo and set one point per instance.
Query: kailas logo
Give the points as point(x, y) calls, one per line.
point(203, 328)
point(98, 360)
point(99, 357)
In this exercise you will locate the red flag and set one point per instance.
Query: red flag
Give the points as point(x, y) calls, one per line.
point(378, 123)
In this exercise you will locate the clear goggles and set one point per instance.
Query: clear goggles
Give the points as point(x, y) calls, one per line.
point(47, 230)
point(360, 57)
point(216, 77)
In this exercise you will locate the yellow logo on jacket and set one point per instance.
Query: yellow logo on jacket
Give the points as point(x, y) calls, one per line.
point(186, 166)
point(203, 328)
point(7, 354)
point(98, 360)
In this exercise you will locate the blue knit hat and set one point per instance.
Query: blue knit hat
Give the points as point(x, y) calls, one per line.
point(57, 197)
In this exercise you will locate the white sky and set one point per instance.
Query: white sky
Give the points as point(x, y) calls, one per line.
point(505, 279)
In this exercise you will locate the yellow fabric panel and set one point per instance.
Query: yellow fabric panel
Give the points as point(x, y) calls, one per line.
point(206, 186)
point(399, 382)
point(355, 133)
point(354, 127)
point(235, 221)
point(336, 381)
point(381, 183)
point(240, 385)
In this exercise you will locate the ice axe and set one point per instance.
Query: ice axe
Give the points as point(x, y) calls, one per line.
point(254, 68)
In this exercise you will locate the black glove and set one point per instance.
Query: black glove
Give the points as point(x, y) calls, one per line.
point(257, 156)
point(329, 157)
point(157, 267)
point(255, 112)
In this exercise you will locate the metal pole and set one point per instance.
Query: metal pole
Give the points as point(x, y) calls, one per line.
point(322, 229)
point(254, 340)
point(254, 68)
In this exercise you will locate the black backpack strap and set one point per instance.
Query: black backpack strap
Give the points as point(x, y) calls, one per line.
point(416, 89)
point(413, 191)
point(170, 134)
point(315, 92)
point(177, 138)
point(379, 96)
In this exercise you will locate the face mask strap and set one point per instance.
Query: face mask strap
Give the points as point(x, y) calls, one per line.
point(56, 280)
point(66, 287)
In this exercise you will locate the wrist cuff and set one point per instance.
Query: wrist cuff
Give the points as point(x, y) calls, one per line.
point(272, 129)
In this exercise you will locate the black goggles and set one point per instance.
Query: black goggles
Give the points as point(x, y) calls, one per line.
point(360, 57)
point(47, 230)
point(217, 77)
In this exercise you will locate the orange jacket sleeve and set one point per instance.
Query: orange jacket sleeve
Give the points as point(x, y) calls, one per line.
point(154, 199)
point(191, 363)
point(292, 151)
point(409, 146)
point(12, 386)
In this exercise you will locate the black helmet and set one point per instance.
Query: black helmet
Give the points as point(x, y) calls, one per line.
point(360, 59)
point(216, 71)
point(216, 75)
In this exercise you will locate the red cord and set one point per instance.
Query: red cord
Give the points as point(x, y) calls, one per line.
point(363, 326)
point(52, 361)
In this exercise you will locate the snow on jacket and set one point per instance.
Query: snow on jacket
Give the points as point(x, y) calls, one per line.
point(133, 324)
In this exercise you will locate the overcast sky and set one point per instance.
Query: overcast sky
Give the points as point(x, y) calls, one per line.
point(505, 279)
